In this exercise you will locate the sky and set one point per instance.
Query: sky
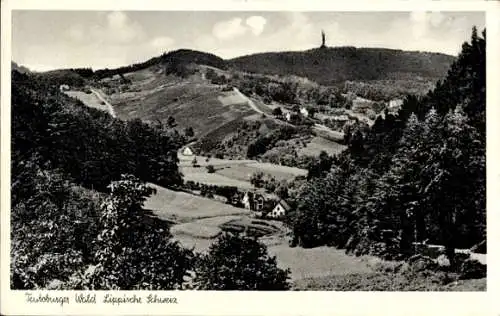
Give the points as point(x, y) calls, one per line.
point(44, 40)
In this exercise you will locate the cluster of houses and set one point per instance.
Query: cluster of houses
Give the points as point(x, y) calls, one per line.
point(261, 204)
point(303, 111)
point(265, 205)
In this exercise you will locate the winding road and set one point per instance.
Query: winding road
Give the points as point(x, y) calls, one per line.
point(250, 102)
point(100, 97)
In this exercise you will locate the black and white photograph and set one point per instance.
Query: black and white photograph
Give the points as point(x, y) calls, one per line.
point(248, 150)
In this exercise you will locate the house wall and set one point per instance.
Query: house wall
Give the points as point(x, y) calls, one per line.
point(278, 211)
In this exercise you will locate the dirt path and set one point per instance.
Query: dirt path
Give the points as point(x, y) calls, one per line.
point(250, 102)
point(100, 97)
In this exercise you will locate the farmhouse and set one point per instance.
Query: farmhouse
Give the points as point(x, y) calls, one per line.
point(395, 104)
point(279, 210)
point(253, 201)
point(288, 116)
point(63, 87)
point(187, 151)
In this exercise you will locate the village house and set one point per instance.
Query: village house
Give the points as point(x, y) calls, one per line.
point(395, 104)
point(187, 151)
point(63, 87)
point(253, 201)
point(340, 118)
point(304, 112)
point(280, 210)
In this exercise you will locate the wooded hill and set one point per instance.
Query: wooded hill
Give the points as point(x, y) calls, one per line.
point(326, 66)
point(413, 177)
point(329, 66)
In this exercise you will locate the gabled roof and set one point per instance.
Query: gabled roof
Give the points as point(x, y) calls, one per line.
point(285, 205)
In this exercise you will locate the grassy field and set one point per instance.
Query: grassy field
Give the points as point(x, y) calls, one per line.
point(184, 207)
point(200, 221)
point(278, 170)
point(387, 281)
point(317, 262)
point(233, 172)
point(326, 133)
point(244, 172)
point(89, 99)
point(202, 176)
point(318, 144)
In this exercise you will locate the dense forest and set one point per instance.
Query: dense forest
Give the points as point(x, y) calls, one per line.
point(413, 177)
point(87, 144)
point(347, 63)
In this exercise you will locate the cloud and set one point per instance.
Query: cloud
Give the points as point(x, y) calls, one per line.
point(422, 22)
point(418, 20)
point(256, 24)
point(429, 31)
point(296, 26)
point(226, 30)
point(160, 44)
point(234, 28)
point(117, 29)
point(76, 33)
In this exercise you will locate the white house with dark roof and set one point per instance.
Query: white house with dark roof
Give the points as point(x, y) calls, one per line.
point(280, 210)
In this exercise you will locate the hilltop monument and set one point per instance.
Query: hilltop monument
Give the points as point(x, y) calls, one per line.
point(323, 39)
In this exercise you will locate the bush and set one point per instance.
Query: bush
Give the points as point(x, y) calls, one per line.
point(210, 169)
point(240, 263)
point(277, 112)
point(472, 269)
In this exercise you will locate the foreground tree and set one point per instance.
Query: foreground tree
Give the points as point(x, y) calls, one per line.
point(52, 227)
point(240, 263)
point(131, 252)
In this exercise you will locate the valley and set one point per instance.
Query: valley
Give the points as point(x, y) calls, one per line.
point(330, 168)
point(225, 122)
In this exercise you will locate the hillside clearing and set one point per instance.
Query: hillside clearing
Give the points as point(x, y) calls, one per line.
point(89, 99)
point(184, 207)
point(319, 144)
point(155, 96)
point(233, 172)
point(317, 262)
point(202, 176)
point(274, 169)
